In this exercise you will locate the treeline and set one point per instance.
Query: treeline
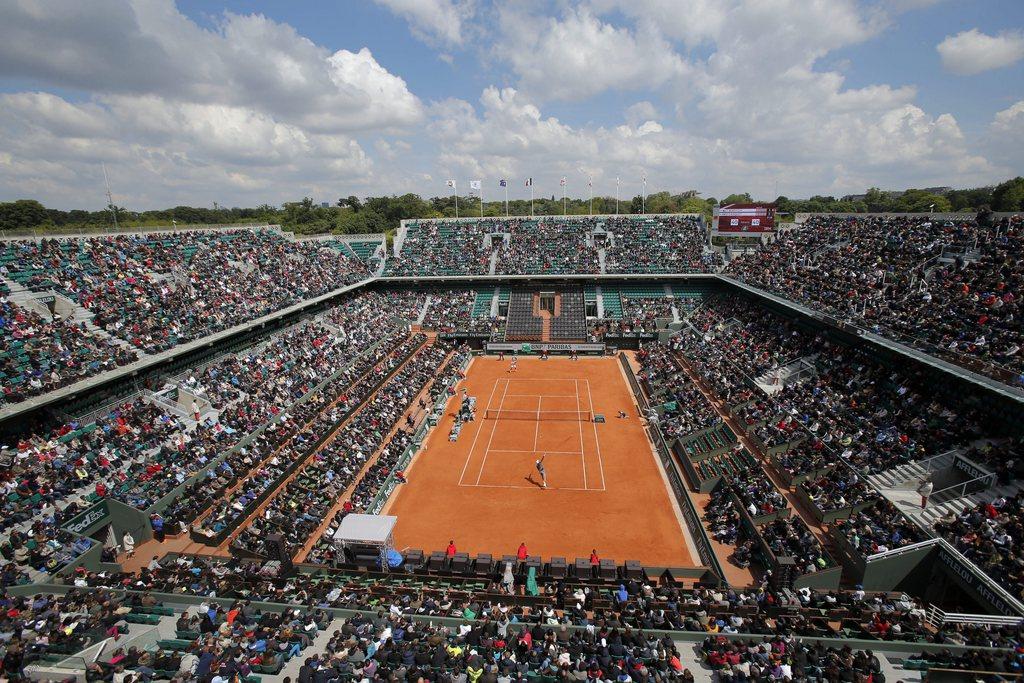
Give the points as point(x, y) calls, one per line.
point(352, 215)
point(1007, 196)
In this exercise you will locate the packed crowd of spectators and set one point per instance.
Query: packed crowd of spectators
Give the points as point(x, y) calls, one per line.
point(39, 354)
point(451, 310)
point(549, 246)
point(838, 489)
point(757, 493)
point(158, 291)
point(792, 538)
point(878, 529)
point(785, 659)
point(990, 534)
point(885, 273)
point(659, 245)
point(684, 409)
point(873, 416)
point(138, 452)
point(439, 248)
point(303, 504)
point(495, 642)
point(631, 604)
point(274, 458)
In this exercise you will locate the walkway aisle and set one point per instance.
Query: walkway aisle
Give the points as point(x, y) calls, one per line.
point(417, 416)
point(291, 668)
point(769, 471)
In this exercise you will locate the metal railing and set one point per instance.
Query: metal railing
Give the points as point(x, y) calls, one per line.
point(937, 617)
point(959, 490)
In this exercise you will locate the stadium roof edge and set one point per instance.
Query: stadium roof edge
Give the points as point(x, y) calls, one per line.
point(986, 383)
point(151, 360)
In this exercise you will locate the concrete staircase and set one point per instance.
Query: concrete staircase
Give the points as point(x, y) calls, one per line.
point(793, 372)
point(423, 311)
point(319, 644)
point(908, 475)
point(934, 512)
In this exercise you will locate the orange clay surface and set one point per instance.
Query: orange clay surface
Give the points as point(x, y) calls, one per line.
point(605, 490)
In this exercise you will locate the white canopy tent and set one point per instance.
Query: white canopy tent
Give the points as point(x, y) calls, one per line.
point(367, 530)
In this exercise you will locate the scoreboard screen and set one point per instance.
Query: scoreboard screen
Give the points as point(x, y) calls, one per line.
point(745, 218)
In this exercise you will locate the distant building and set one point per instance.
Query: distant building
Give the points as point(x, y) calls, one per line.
point(325, 205)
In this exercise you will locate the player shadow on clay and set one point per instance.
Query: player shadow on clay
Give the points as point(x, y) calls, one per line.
point(538, 484)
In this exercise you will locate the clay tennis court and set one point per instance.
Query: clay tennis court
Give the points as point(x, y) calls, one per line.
point(605, 488)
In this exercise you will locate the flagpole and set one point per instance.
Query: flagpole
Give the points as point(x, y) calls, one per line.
point(616, 195)
point(531, 198)
point(481, 200)
point(506, 200)
point(455, 191)
point(643, 198)
point(590, 182)
point(564, 213)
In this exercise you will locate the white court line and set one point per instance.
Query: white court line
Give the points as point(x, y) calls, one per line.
point(541, 395)
point(583, 458)
point(540, 379)
point(536, 429)
point(597, 441)
point(513, 450)
point(516, 486)
point(488, 448)
point(469, 456)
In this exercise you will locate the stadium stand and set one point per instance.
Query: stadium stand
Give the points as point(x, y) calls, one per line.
point(39, 354)
point(444, 248)
point(950, 288)
point(658, 245)
point(780, 437)
point(157, 291)
point(549, 246)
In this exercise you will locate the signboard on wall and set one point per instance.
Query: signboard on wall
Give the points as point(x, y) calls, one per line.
point(745, 218)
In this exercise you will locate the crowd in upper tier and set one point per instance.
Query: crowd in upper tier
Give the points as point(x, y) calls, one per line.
point(40, 353)
point(554, 245)
point(162, 289)
point(949, 287)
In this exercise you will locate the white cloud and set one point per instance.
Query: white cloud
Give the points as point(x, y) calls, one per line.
point(433, 20)
point(578, 55)
point(972, 52)
point(149, 47)
point(1005, 137)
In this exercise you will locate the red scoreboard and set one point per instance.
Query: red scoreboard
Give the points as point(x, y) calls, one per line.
point(745, 218)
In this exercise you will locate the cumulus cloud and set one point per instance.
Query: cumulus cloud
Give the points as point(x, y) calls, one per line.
point(578, 55)
point(249, 110)
point(148, 46)
point(972, 52)
point(439, 21)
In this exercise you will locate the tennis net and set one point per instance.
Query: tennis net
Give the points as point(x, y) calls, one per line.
point(539, 415)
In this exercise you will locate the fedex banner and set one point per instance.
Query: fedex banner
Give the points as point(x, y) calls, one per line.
point(745, 218)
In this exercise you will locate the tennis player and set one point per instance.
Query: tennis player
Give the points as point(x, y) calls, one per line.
point(540, 470)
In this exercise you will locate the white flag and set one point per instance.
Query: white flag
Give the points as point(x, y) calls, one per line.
point(474, 184)
point(451, 183)
point(529, 182)
point(562, 181)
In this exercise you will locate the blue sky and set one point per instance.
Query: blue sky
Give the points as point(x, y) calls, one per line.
point(250, 102)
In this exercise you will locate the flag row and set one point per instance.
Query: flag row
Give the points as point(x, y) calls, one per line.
point(478, 184)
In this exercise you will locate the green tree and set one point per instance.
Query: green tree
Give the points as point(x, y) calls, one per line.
point(918, 201)
point(1009, 196)
point(737, 199)
point(22, 214)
